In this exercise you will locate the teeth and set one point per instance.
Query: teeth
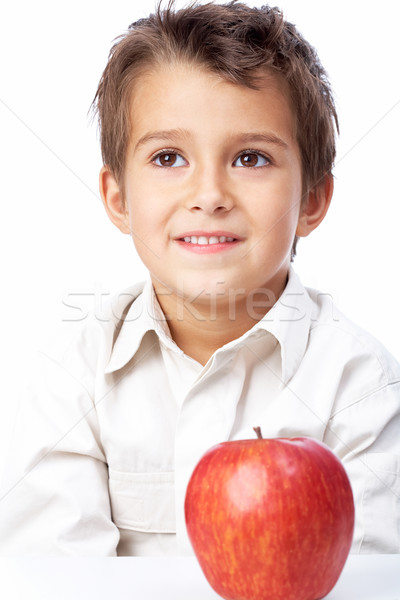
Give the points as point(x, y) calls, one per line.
point(203, 240)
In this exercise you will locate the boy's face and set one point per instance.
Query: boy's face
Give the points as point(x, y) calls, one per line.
point(212, 185)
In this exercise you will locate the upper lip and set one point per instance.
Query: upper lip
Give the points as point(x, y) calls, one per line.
point(208, 234)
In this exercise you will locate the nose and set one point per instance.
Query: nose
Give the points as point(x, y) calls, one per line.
point(210, 191)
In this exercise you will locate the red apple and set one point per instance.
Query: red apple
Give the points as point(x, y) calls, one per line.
point(270, 519)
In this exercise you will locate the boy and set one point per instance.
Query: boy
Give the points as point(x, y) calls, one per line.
point(218, 139)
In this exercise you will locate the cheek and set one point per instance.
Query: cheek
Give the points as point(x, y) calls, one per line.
point(148, 203)
point(142, 216)
point(276, 216)
point(279, 212)
point(148, 229)
point(288, 201)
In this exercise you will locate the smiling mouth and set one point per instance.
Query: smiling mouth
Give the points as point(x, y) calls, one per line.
point(202, 240)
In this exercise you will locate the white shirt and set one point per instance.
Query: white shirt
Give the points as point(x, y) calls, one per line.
point(117, 418)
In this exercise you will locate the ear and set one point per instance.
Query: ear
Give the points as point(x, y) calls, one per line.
point(315, 207)
point(113, 200)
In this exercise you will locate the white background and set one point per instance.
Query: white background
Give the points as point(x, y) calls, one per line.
point(55, 236)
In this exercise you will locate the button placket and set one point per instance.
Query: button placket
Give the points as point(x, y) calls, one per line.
point(206, 418)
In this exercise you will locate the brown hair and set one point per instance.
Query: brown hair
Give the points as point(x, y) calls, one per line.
point(237, 42)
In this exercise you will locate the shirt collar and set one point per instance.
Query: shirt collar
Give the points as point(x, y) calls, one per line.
point(288, 321)
point(136, 314)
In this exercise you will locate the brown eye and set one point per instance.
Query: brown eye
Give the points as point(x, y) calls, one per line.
point(251, 159)
point(167, 160)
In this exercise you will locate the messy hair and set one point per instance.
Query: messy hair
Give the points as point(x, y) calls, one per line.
point(240, 44)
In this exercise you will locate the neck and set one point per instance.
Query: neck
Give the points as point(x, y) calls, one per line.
point(201, 338)
point(201, 328)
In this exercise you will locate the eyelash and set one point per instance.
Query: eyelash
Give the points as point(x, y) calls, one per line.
point(257, 153)
point(161, 153)
point(242, 153)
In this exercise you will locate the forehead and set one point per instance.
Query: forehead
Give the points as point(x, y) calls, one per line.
point(191, 96)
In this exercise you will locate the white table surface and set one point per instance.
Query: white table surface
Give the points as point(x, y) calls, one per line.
point(365, 577)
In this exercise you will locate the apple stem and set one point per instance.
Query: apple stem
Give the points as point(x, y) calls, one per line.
point(258, 432)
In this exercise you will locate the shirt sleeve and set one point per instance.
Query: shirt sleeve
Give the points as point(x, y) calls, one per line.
point(365, 435)
point(54, 497)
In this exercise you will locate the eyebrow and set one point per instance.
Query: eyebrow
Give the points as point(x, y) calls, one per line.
point(166, 135)
point(268, 138)
point(243, 138)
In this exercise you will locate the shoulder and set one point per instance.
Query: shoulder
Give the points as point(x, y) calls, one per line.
point(82, 348)
point(361, 355)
